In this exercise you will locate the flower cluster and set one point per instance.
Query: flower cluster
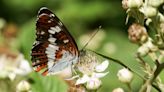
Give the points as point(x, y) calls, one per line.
point(148, 18)
point(12, 66)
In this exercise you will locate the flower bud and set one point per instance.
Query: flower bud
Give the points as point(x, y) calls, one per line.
point(23, 86)
point(147, 47)
point(137, 33)
point(118, 90)
point(124, 75)
point(155, 3)
point(143, 50)
point(149, 11)
point(93, 84)
point(125, 4)
point(135, 3)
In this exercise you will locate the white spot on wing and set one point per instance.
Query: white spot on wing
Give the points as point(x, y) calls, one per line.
point(52, 15)
point(66, 41)
point(55, 29)
point(37, 61)
point(50, 51)
point(50, 64)
point(51, 31)
point(52, 47)
point(51, 39)
point(42, 32)
point(49, 21)
point(50, 55)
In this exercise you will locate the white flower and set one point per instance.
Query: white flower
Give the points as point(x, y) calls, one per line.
point(12, 66)
point(92, 73)
point(23, 86)
point(118, 90)
point(124, 75)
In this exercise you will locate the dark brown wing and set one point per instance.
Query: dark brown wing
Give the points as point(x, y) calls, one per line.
point(54, 48)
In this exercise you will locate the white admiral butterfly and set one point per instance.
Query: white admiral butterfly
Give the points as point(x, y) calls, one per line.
point(54, 48)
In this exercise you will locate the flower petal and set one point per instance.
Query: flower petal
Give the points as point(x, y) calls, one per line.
point(82, 80)
point(101, 67)
point(99, 75)
point(93, 84)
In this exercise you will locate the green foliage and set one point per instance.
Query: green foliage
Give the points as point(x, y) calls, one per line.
point(47, 84)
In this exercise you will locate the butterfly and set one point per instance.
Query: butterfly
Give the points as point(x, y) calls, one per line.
point(54, 48)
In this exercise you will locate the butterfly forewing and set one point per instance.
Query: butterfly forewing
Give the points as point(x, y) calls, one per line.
point(54, 48)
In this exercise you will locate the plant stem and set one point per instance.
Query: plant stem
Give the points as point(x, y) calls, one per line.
point(150, 81)
point(129, 87)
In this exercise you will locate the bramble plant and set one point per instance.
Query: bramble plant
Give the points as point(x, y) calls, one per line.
point(147, 18)
point(146, 30)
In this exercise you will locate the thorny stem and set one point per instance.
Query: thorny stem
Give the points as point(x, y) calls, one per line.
point(122, 64)
point(144, 65)
point(150, 81)
point(160, 67)
point(119, 62)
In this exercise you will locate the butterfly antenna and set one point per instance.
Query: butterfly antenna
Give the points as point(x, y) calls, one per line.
point(92, 37)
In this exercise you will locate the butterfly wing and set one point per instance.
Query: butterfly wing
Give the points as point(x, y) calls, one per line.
point(54, 48)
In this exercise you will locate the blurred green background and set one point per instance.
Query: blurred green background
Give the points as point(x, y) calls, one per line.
point(82, 18)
